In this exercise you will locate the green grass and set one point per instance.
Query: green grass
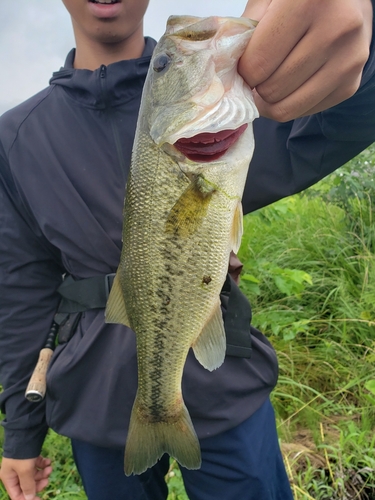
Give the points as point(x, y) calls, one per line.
point(309, 271)
point(311, 281)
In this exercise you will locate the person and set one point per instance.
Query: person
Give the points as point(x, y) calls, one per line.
point(64, 160)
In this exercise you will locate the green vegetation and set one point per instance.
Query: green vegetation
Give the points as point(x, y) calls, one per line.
point(311, 281)
point(309, 271)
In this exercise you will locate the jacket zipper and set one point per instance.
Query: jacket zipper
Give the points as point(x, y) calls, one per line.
point(110, 112)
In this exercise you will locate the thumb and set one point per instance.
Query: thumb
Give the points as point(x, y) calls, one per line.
point(255, 9)
point(27, 484)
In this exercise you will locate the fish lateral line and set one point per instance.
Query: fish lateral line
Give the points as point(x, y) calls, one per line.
point(146, 416)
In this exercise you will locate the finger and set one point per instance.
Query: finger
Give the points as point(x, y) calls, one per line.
point(345, 51)
point(40, 485)
point(317, 94)
point(332, 100)
point(12, 486)
point(43, 473)
point(336, 81)
point(273, 39)
point(293, 72)
point(255, 9)
point(42, 462)
point(27, 484)
point(14, 491)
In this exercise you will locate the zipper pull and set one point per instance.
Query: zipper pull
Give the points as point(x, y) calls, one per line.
point(103, 71)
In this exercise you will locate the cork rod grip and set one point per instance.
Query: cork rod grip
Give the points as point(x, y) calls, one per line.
point(36, 389)
point(37, 386)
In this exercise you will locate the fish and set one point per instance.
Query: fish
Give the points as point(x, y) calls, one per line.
point(182, 218)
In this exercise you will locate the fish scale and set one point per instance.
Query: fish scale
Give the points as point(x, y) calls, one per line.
point(182, 219)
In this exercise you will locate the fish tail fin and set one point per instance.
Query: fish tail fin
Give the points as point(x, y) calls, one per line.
point(147, 442)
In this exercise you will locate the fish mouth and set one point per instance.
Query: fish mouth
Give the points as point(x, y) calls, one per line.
point(207, 146)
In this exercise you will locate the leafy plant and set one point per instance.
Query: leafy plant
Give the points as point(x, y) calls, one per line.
point(322, 328)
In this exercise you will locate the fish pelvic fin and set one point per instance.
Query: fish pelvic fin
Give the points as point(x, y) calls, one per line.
point(210, 346)
point(148, 441)
point(237, 228)
point(115, 311)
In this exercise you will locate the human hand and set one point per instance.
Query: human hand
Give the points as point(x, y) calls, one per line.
point(23, 479)
point(305, 56)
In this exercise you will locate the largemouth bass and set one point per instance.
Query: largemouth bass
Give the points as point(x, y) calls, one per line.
point(182, 218)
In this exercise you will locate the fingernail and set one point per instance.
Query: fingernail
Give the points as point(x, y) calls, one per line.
point(29, 497)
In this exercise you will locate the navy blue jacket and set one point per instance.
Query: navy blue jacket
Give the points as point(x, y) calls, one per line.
point(64, 160)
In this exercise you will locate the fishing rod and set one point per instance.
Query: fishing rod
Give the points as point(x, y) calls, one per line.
point(77, 296)
point(36, 388)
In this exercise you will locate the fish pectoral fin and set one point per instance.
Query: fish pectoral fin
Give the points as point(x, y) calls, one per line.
point(187, 214)
point(210, 346)
point(115, 311)
point(237, 228)
point(148, 441)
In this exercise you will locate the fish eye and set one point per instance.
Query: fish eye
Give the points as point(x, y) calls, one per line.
point(161, 62)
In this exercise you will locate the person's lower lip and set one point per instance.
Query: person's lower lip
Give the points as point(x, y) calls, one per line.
point(105, 10)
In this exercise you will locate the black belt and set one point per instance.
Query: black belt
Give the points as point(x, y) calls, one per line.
point(82, 295)
point(92, 293)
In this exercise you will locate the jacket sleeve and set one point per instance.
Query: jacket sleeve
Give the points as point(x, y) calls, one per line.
point(292, 156)
point(29, 275)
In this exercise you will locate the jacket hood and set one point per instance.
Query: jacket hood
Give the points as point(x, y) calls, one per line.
point(108, 85)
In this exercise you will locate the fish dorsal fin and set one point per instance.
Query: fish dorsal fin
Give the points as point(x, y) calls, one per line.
point(115, 311)
point(210, 346)
point(237, 228)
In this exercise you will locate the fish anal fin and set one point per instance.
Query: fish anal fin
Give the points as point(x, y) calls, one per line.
point(237, 228)
point(210, 346)
point(115, 311)
point(148, 441)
